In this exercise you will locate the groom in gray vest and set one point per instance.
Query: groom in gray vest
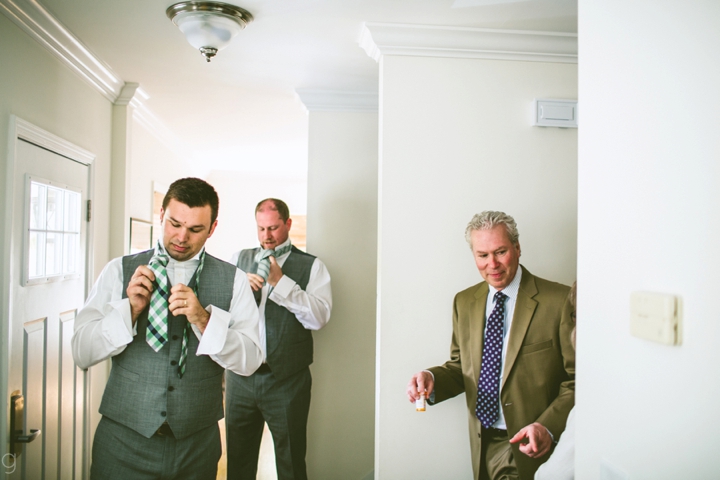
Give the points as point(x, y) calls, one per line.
point(293, 295)
point(172, 319)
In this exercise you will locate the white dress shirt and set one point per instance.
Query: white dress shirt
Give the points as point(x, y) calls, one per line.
point(103, 327)
point(311, 306)
point(512, 292)
point(561, 464)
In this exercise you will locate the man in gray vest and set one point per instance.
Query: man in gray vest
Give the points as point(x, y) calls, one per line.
point(292, 291)
point(172, 319)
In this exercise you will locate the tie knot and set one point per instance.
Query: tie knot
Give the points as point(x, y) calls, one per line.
point(160, 259)
point(500, 297)
point(265, 254)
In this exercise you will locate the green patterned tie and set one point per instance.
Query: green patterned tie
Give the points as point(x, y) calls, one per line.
point(156, 333)
point(263, 259)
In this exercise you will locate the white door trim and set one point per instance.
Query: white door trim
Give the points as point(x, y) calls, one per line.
point(23, 130)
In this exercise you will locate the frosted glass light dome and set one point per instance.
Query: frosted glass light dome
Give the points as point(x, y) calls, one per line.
point(209, 26)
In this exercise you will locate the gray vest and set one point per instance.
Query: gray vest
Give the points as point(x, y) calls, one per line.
point(144, 390)
point(289, 344)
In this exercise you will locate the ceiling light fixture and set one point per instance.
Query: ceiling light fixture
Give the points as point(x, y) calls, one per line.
point(208, 26)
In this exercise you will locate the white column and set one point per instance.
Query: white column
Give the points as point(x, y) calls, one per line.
point(342, 231)
point(120, 171)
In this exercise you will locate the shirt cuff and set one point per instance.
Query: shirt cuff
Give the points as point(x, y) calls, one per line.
point(212, 340)
point(117, 327)
point(552, 437)
point(284, 286)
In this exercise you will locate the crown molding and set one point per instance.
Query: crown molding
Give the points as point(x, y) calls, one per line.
point(40, 24)
point(338, 101)
point(379, 39)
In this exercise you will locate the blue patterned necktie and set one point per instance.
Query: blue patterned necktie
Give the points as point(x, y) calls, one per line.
point(488, 402)
point(263, 259)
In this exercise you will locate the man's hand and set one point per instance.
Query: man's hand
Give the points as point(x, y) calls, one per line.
point(275, 272)
point(183, 301)
point(256, 281)
point(419, 383)
point(139, 291)
point(539, 440)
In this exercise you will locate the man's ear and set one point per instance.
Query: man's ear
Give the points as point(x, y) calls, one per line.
point(212, 228)
point(162, 214)
point(288, 223)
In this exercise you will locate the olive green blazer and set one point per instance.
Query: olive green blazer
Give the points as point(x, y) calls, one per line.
point(539, 374)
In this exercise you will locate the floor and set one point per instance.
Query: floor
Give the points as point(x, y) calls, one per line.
point(266, 462)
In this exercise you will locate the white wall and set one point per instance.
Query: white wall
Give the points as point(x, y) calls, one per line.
point(239, 193)
point(455, 139)
point(342, 232)
point(38, 88)
point(151, 161)
point(648, 210)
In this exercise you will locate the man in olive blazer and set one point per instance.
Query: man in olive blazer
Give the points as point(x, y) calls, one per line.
point(537, 389)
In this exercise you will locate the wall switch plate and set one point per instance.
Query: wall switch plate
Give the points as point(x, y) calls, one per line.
point(555, 113)
point(656, 317)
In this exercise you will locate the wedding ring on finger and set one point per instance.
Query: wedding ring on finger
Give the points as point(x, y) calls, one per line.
point(185, 305)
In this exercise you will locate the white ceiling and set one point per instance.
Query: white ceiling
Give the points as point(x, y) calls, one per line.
point(240, 112)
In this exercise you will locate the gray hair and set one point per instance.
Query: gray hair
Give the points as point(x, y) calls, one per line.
point(488, 220)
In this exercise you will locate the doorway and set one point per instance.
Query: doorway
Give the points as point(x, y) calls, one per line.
point(49, 193)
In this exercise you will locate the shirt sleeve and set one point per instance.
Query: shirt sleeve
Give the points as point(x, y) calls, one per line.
point(311, 306)
point(232, 338)
point(234, 258)
point(103, 327)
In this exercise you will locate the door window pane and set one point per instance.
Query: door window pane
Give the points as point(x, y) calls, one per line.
point(36, 255)
point(54, 226)
point(37, 205)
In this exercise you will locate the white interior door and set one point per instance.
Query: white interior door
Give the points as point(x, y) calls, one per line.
point(47, 288)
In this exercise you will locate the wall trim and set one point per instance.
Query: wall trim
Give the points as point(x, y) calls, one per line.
point(40, 24)
point(379, 39)
point(338, 101)
point(42, 138)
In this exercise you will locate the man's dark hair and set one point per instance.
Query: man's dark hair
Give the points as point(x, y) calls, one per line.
point(277, 205)
point(194, 193)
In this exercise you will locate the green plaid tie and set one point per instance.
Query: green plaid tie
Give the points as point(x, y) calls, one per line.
point(263, 259)
point(156, 333)
point(186, 332)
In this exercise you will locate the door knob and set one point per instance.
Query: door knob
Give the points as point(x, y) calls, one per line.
point(17, 425)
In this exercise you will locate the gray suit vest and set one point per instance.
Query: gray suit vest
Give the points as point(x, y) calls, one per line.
point(144, 390)
point(289, 344)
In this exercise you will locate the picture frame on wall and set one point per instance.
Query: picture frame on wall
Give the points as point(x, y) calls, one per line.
point(141, 235)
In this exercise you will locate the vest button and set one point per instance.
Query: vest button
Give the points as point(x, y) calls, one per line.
point(163, 414)
point(175, 337)
point(173, 362)
point(171, 388)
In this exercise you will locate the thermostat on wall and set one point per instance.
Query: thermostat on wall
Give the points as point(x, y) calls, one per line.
point(555, 113)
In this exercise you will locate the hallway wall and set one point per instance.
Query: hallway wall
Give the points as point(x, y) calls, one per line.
point(648, 208)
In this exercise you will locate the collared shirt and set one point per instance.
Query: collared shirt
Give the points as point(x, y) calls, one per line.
point(512, 292)
point(103, 327)
point(311, 306)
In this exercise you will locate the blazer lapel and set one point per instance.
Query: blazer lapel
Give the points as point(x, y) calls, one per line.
point(524, 310)
point(477, 328)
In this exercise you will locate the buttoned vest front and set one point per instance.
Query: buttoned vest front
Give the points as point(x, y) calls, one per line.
point(144, 389)
point(289, 344)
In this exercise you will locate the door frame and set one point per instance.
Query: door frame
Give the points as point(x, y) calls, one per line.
point(24, 130)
